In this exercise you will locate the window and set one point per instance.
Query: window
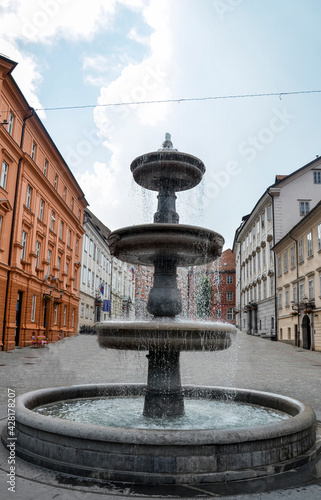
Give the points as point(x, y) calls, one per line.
point(69, 237)
point(86, 243)
point(64, 193)
point(28, 199)
point(61, 230)
point(41, 209)
point(67, 268)
point(52, 222)
point(84, 274)
point(58, 266)
point(87, 311)
point(33, 151)
point(72, 204)
point(4, 175)
point(279, 266)
point(264, 289)
point(82, 310)
point(268, 213)
point(56, 182)
point(285, 261)
point(287, 297)
point(304, 207)
point(217, 278)
point(65, 315)
point(90, 247)
point(93, 280)
point(229, 279)
point(292, 257)
point(33, 308)
point(230, 314)
point(229, 296)
point(262, 220)
point(89, 277)
point(319, 236)
point(56, 314)
point(309, 244)
point(218, 313)
point(317, 177)
point(300, 250)
point(75, 279)
point(264, 257)
point(295, 293)
point(301, 291)
point(311, 288)
point(77, 247)
point(37, 253)
point(24, 245)
point(45, 168)
point(49, 261)
point(73, 318)
point(280, 300)
point(10, 123)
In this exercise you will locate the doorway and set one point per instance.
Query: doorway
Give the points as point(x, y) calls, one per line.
point(18, 318)
point(306, 332)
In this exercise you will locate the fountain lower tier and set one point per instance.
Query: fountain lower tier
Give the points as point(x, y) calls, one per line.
point(149, 456)
point(164, 340)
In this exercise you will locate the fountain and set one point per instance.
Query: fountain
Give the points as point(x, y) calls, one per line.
point(166, 454)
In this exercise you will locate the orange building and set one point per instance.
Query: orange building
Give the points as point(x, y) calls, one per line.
point(41, 214)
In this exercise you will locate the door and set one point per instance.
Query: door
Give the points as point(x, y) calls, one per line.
point(306, 332)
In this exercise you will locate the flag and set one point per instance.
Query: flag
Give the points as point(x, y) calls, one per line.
point(106, 305)
point(133, 272)
point(101, 288)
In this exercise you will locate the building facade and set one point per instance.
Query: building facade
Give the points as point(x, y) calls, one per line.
point(41, 213)
point(96, 271)
point(282, 205)
point(122, 290)
point(298, 258)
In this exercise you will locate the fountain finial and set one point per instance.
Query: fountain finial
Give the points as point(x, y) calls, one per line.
point(167, 144)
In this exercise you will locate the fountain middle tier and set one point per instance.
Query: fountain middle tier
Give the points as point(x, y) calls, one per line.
point(165, 334)
point(145, 243)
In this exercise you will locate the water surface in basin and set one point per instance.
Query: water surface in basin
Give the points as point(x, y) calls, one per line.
point(127, 412)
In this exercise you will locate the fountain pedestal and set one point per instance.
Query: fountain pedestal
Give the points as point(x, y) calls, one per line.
point(164, 396)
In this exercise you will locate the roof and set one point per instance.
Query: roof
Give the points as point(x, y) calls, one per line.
point(29, 109)
point(306, 217)
point(103, 230)
point(279, 180)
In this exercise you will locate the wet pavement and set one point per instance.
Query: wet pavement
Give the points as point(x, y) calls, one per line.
point(252, 363)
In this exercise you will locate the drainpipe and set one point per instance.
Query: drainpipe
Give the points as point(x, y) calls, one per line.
point(13, 227)
point(274, 259)
point(297, 285)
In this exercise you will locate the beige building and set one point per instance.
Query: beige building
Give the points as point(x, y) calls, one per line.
point(298, 266)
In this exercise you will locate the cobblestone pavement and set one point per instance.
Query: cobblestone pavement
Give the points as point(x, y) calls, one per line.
point(251, 363)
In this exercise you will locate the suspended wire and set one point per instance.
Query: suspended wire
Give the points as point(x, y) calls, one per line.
point(184, 99)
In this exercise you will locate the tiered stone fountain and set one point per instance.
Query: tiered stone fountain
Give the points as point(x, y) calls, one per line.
point(171, 455)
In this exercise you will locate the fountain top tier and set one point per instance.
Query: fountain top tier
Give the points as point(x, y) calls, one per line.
point(167, 169)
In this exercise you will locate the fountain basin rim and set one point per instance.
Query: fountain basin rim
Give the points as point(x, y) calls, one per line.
point(167, 325)
point(302, 416)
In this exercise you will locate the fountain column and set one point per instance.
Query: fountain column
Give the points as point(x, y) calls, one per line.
point(164, 394)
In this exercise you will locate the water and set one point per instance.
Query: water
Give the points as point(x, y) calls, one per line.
point(127, 412)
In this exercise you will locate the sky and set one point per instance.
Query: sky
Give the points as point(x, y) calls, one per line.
point(99, 58)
